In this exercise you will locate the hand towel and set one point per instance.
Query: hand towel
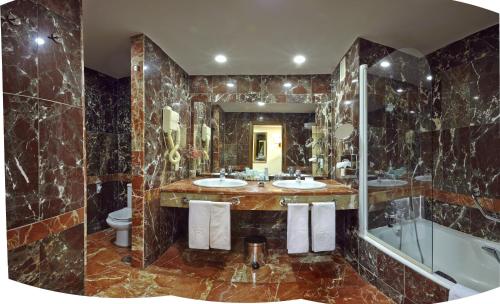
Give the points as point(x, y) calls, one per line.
point(323, 226)
point(297, 236)
point(458, 291)
point(220, 225)
point(199, 224)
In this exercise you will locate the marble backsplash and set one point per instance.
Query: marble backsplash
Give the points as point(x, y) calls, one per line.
point(45, 150)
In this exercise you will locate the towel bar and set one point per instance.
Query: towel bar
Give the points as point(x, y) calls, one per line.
point(285, 202)
point(235, 201)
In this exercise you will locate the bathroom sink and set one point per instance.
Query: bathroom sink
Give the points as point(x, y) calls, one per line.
point(303, 184)
point(424, 178)
point(218, 183)
point(386, 183)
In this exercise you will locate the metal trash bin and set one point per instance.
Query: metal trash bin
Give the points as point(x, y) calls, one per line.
point(256, 251)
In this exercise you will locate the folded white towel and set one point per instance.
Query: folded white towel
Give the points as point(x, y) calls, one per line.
point(297, 237)
point(199, 224)
point(323, 226)
point(220, 225)
point(458, 291)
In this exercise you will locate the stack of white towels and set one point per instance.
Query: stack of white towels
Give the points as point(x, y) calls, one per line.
point(209, 225)
point(322, 227)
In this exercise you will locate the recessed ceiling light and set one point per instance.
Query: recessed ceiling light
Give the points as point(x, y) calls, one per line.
point(287, 85)
point(429, 77)
point(354, 80)
point(385, 64)
point(476, 97)
point(230, 85)
point(412, 112)
point(39, 41)
point(220, 58)
point(261, 118)
point(347, 102)
point(299, 59)
point(260, 103)
point(399, 90)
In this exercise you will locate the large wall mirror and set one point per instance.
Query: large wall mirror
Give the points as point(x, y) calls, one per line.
point(282, 137)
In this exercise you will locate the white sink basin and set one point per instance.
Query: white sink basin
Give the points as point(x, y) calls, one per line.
point(386, 183)
point(218, 183)
point(303, 184)
point(424, 178)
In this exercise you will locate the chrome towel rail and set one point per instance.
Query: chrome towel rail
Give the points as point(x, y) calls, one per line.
point(235, 200)
point(285, 202)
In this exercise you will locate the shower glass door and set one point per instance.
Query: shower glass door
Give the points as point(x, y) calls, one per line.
point(399, 164)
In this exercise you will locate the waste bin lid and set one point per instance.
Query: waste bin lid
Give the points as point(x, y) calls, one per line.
point(255, 239)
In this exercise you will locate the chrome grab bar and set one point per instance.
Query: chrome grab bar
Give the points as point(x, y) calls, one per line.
point(492, 251)
point(475, 195)
point(284, 202)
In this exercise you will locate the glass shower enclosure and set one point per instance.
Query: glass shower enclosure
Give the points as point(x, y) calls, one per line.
point(397, 168)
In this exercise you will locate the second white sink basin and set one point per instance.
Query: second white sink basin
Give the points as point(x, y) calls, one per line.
point(386, 183)
point(218, 183)
point(302, 185)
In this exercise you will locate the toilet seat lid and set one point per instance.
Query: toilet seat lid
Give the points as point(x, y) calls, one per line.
point(124, 214)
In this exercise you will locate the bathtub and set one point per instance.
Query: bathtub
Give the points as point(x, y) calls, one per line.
point(454, 253)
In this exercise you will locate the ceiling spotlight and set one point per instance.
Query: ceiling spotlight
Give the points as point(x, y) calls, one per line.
point(412, 112)
point(354, 80)
point(39, 41)
point(261, 118)
point(347, 102)
point(260, 103)
point(287, 85)
point(429, 77)
point(385, 64)
point(220, 58)
point(476, 97)
point(299, 59)
point(399, 90)
point(230, 85)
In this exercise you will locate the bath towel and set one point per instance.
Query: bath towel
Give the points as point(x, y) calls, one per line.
point(220, 225)
point(323, 226)
point(199, 224)
point(297, 237)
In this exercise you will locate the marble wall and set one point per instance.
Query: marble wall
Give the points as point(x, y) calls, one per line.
point(466, 105)
point(107, 125)
point(44, 149)
point(157, 81)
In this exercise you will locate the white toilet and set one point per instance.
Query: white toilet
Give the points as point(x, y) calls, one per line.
point(121, 221)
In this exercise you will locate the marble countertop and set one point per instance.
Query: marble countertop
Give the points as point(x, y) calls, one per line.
point(332, 188)
point(253, 197)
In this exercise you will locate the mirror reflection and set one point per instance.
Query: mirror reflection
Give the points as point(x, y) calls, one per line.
point(278, 139)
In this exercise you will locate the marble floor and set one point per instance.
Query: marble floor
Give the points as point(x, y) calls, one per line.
point(223, 276)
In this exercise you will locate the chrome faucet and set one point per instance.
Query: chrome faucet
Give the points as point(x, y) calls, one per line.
point(297, 175)
point(222, 174)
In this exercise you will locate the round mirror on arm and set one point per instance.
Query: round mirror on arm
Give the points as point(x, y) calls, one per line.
point(343, 131)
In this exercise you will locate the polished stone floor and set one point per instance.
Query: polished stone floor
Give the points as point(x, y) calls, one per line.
point(223, 276)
